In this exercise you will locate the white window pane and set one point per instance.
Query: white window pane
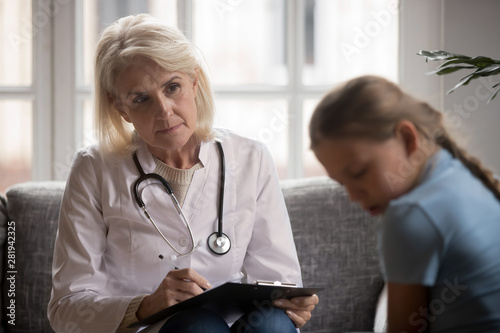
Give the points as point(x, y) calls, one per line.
point(90, 33)
point(243, 41)
point(16, 35)
point(98, 14)
point(16, 142)
point(312, 167)
point(165, 10)
point(89, 135)
point(262, 120)
point(348, 38)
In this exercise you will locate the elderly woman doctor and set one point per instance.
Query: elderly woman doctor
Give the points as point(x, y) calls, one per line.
point(126, 248)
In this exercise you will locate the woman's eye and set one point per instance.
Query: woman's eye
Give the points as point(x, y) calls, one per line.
point(359, 174)
point(172, 88)
point(140, 99)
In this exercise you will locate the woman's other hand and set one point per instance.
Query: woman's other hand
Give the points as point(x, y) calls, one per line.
point(298, 308)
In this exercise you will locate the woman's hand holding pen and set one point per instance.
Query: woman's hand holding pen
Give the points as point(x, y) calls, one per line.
point(298, 308)
point(179, 285)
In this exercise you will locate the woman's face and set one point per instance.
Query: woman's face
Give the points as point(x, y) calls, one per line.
point(160, 104)
point(372, 172)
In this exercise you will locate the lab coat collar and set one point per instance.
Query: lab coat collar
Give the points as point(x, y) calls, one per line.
point(147, 161)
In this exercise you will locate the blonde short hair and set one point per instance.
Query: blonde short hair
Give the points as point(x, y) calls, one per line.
point(146, 36)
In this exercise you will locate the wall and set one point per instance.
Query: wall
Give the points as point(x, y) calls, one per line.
point(471, 28)
point(464, 27)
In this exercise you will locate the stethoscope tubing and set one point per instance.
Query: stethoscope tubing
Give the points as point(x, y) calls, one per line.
point(168, 189)
point(183, 218)
point(222, 184)
point(221, 244)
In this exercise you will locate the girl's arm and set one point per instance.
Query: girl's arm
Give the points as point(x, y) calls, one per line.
point(408, 309)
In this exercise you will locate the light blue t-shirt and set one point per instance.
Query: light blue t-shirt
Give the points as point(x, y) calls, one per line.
point(445, 234)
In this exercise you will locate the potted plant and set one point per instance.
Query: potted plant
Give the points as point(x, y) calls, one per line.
point(481, 66)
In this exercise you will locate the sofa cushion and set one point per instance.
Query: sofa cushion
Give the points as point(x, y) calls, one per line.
point(336, 245)
point(34, 208)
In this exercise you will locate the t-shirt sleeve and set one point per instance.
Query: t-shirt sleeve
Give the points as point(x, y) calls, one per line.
point(410, 247)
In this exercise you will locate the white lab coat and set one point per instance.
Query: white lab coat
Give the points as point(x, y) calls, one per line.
point(107, 252)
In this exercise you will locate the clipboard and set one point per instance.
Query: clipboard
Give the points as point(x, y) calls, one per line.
point(233, 299)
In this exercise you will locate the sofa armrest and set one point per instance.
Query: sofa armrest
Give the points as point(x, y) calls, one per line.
point(33, 209)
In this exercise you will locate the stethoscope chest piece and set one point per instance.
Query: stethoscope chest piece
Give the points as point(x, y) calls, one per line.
point(219, 245)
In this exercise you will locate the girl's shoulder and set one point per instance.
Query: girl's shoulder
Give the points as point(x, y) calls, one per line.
point(448, 196)
point(445, 181)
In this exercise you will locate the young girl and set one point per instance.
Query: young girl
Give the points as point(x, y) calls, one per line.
point(439, 240)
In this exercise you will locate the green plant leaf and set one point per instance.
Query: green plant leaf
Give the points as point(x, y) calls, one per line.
point(440, 55)
point(494, 94)
point(463, 82)
point(489, 70)
point(484, 66)
point(449, 69)
point(477, 62)
point(481, 61)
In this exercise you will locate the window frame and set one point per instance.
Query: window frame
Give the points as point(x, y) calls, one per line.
point(65, 127)
point(294, 93)
point(39, 93)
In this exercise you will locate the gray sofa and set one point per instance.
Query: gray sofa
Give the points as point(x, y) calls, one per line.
point(335, 239)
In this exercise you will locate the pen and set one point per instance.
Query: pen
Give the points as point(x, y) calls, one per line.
point(175, 267)
point(168, 262)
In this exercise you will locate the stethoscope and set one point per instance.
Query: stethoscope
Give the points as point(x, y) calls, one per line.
point(218, 242)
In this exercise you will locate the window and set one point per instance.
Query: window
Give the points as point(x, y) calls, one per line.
point(16, 100)
point(24, 99)
point(270, 62)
